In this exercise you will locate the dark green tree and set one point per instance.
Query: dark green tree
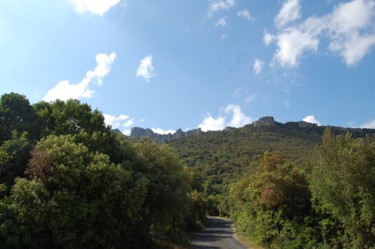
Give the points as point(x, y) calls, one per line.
point(16, 113)
point(75, 198)
point(344, 185)
point(14, 155)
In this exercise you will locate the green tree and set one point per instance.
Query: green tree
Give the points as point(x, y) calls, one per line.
point(167, 201)
point(16, 113)
point(344, 185)
point(14, 155)
point(270, 206)
point(73, 117)
point(75, 198)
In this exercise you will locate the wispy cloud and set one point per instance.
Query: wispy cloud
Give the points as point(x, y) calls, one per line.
point(268, 38)
point(65, 90)
point(97, 7)
point(251, 98)
point(121, 122)
point(221, 22)
point(146, 69)
point(286, 104)
point(231, 112)
point(290, 11)
point(369, 125)
point(216, 5)
point(311, 119)
point(258, 66)
point(349, 30)
point(244, 14)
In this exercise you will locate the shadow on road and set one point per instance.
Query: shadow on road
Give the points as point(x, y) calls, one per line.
point(217, 235)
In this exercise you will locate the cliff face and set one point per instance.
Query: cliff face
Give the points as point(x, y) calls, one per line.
point(265, 122)
point(161, 138)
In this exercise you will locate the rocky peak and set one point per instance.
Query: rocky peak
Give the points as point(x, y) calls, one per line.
point(138, 133)
point(265, 121)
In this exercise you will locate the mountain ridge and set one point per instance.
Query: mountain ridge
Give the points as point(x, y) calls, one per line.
point(267, 121)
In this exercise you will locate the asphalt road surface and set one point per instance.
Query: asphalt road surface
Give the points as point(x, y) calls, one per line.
point(217, 235)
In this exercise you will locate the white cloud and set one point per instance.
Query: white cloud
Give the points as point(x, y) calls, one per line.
point(128, 123)
point(348, 25)
point(65, 90)
point(212, 124)
point(349, 30)
point(220, 5)
point(258, 66)
point(146, 69)
point(231, 112)
point(369, 125)
point(290, 11)
point(292, 44)
point(221, 22)
point(162, 132)
point(239, 119)
point(127, 132)
point(244, 14)
point(119, 121)
point(268, 38)
point(97, 7)
point(311, 119)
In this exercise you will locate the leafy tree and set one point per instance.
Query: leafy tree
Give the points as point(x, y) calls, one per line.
point(167, 201)
point(16, 113)
point(75, 198)
point(14, 154)
point(344, 185)
point(73, 117)
point(271, 205)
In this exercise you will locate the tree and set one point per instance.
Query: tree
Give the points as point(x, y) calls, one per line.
point(167, 202)
point(16, 113)
point(75, 198)
point(270, 206)
point(344, 185)
point(73, 117)
point(14, 155)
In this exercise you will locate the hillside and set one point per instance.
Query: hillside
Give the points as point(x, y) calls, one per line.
point(222, 157)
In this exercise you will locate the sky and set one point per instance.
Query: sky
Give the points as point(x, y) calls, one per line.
point(209, 64)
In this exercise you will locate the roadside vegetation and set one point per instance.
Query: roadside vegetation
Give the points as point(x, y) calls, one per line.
point(67, 181)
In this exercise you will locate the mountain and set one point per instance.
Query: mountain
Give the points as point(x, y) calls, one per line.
point(138, 133)
point(221, 157)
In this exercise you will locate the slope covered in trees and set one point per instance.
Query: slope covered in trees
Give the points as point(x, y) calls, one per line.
point(66, 181)
point(287, 186)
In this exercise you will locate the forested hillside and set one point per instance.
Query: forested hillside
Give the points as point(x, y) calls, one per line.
point(289, 185)
point(67, 181)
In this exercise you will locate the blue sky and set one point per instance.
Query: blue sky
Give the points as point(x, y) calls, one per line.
point(186, 64)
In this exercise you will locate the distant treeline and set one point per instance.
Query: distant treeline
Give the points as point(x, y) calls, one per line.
point(67, 181)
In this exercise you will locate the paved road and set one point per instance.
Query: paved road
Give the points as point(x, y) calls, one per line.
point(217, 235)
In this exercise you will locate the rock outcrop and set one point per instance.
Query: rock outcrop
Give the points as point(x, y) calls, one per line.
point(138, 133)
point(265, 121)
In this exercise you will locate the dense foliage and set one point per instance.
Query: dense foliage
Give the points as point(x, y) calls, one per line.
point(288, 186)
point(66, 181)
point(280, 206)
point(220, 158)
